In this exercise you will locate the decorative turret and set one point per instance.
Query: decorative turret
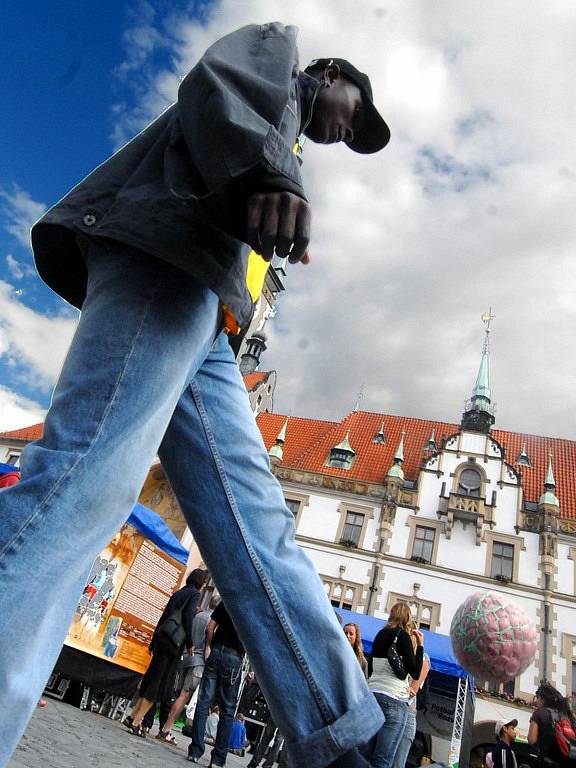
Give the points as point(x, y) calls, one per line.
point(255, 345)
point(549, 498)
point(276, 452)
point(395, 476)
point(342, 455)
point(396, 468)
point(478, 414)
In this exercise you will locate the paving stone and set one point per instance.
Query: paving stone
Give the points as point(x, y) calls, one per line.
point(62, 736)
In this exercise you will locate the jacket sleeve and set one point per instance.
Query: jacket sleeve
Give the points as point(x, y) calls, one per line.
point(499, 757)
point(233, 107)
point(412, 661)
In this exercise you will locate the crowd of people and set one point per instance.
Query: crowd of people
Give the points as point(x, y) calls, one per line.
point(397, 670)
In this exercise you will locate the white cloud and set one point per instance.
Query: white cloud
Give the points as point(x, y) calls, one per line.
point(470, 206)
point(17, 269)
point(19, 211)
point(32, 340)
point(17, 412)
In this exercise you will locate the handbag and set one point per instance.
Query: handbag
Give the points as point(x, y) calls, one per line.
point(170, 636)
point(395, 660)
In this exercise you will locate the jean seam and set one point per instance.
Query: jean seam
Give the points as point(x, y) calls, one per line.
point(326, 711)
point(10, 545)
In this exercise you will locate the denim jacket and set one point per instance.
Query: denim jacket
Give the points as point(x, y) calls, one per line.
point(178, 190)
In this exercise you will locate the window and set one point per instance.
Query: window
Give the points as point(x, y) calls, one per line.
point(423, 543)
point(508, 688)
point(352, 528)
point(13, 458)
point(502, 560)
point(342, 594)
point(340, 459)
point(293, 505)
point(470, 482)
point(296, 502)
point(425, 613)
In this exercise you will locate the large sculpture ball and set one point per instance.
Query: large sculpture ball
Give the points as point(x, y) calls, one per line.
point(492, 637)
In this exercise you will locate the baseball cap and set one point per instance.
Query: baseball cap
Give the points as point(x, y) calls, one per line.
point(375, 134)
point(502, 724)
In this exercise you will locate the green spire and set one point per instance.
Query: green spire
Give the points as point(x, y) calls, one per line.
point(549, 497)
point(277, 451)
point(396, 468)
point(481, 389)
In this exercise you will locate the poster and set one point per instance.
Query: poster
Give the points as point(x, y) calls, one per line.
point(125, 593)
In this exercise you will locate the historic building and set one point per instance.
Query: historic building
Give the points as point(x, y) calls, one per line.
point(395, 508)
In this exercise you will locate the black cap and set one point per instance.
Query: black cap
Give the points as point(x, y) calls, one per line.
point(375, 134)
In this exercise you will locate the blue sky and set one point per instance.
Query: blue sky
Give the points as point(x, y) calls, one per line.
point(470, 206)
point(63, 75)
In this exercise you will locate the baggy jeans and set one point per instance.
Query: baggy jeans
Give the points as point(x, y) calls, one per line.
point(220, 683)
point(147, 373)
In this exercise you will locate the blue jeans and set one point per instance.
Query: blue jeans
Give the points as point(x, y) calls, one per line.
point(408, 736)
point(148, 372)
point(220, 683)
point(388, 737)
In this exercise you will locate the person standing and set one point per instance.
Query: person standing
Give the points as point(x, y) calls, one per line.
point(193, 663)
point(220, 682)
point(354, 637)
point(549, 706)
point(409, 732)
point(503, 755)
point(392, 692)
point(158, 681)
point(153, 246)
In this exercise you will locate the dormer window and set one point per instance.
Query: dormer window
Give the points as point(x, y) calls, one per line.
point(341, 459)
point(470, 482)
point(341, 456)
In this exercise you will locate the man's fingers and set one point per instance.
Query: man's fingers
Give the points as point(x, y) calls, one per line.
point(254, 213)
point(269, 227)
point(278, 222)
point(301, 235)
point(289, 208)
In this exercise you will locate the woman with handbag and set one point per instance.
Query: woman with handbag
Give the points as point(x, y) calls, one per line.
point(391, 662)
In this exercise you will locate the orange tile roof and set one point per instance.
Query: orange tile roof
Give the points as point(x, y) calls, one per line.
point(308, 443)
point(251, 380)
point(26, 433)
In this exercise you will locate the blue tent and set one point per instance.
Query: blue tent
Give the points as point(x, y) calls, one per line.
point(438, 647)
point(147, 522)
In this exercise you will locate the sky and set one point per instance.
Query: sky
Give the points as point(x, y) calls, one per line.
point(471, 206)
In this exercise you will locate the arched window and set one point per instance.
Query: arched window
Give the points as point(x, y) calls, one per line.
point(470, 482)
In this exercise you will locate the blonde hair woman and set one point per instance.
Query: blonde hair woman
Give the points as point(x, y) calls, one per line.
point(352, 632)
point(391, 691)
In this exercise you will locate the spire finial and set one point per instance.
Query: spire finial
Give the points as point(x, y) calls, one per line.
point(550, 482)
point(359, 398)
point(549, 497)
point(396, 468)
point(479, 412)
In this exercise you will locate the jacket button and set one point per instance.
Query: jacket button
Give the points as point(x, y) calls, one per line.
point(89, 220)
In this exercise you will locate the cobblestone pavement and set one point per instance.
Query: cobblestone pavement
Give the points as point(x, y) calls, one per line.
point(62, 736)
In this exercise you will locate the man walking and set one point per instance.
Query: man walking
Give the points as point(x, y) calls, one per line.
point(152, 247)
point(224, 653)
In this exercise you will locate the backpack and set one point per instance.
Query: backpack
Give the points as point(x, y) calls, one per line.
point(170, 636)
point(564, 734)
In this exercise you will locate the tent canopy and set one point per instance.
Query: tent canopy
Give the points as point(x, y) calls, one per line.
point(147, 522)
point(438, 647)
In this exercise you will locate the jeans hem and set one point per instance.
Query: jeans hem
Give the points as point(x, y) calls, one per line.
point(355, 727)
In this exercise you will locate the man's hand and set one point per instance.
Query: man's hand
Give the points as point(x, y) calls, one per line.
point(279, 222)
point(207, 650)
point(190, 651)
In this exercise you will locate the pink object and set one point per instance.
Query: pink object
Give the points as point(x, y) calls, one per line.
point(493, 638)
